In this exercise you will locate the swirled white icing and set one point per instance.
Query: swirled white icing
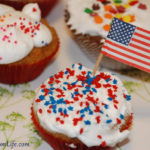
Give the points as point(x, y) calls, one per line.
point(135, 12)
point(20, 32)
point(92, 109)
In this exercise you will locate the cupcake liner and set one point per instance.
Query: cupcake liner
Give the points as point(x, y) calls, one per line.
point(14, 74)
point(45, 5)
point(61, 144)
point(91, 46)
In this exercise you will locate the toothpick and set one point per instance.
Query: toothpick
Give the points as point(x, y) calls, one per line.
point(99, 59)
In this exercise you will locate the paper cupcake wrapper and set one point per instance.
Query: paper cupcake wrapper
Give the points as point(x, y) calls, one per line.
point(14, 74)
point(45, 5)
point(91, 46)
point(60, 144)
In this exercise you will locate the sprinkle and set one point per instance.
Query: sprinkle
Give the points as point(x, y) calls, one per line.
point(103, 144)
point(88, 11)
point(109, 98)
point(15, 42)
point(93, 14)
point(128, 97)
point(70, 108)
point(118, 1)
point(95, 7)
point(132, 18)
point(34, 9)
point(99, 136)
point(41, 97)
point(108, 16)
point(38, 100)
point(87, 122)
point(49, 111)
point(98, 19)
point(40, 111)
point(118, 121)
point(106, 106)
point(108, 121)
point(106, 27)
point(46, 103)
point(121, 116)
point(81, 130)
point(142, 6)
point(107, 7)
point(121, 9)
point(112, 10)
point(98, 119)
point(127, 18)
point(119, 15)
point(114, 81)
point(132, 3)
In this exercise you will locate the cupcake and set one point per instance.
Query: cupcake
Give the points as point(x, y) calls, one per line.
point(45, 5)
point(26, 44)
point(89, 22)
point(74, 110)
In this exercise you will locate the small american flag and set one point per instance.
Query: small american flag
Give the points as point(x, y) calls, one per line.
point(128, 44)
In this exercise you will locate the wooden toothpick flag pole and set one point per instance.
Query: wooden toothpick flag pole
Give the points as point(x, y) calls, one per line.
point(99, 59)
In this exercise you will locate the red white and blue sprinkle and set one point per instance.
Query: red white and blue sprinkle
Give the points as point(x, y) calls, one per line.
point(77, 96)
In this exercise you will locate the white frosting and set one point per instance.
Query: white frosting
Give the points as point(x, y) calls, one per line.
point(84, 23)
point(20, 32)
point(54, 96)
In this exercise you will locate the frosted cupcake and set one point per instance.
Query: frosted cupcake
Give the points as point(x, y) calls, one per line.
point(74, 110)
point(90, 21)
point(45, 5)
point(26, 44)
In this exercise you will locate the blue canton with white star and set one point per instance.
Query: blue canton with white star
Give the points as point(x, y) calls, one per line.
point(121, 32)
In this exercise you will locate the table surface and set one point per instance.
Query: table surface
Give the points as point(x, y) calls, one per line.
point(15, 101)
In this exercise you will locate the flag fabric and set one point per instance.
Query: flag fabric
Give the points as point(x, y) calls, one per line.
point(128, 44)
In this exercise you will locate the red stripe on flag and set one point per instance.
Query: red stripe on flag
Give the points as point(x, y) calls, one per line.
point(141, 42)
point(139, 47)
point(143, 30)
point(127, 49)
point(126, 62)
point(142, 36)
point(125, 55)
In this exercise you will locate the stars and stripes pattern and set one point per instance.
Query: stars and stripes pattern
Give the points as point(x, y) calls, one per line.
point(128, 44)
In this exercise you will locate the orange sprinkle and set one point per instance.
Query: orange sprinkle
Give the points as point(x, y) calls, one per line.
point(4, 16)
point(107, 7)
point(132, 18)
point(98, 19)
point(108, 16)
point(107, 27)
point(10, 15)
point(2, 20)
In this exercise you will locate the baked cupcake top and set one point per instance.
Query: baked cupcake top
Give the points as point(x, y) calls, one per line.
point(94, 17)
point(79, 105)
point(20, 32)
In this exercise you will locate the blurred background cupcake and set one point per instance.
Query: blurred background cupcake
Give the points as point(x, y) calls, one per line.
point(45, 5)
point(27, 43)
point(90, 20)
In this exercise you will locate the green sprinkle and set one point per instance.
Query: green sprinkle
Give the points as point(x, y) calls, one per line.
point(88, 11)
point(118, 1)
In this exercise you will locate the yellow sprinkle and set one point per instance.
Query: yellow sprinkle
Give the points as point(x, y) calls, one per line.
point(118, 15)
point(127, 18)
point(131, 1)
point(116, 4)
point(126, 5)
